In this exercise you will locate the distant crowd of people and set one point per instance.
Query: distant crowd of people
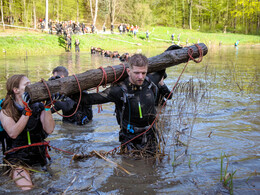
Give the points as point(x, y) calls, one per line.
point(73, 27)
point(67, 27)
point(123, 28)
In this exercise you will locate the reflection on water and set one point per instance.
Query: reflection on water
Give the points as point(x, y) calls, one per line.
point(226, 121)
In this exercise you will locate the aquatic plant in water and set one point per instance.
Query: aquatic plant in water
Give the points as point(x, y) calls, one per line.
point(227, 178)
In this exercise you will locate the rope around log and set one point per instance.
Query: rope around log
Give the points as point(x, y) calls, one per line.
point(52, 103)
point(104, 77)
point(117, 79)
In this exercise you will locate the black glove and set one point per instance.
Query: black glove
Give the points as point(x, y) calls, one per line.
point(33, 121)
point(165, 75)
point(54, 78)
point(75, 97)
point(37, 108)
point(55, 97)
point(26, 101)
point(173, 47)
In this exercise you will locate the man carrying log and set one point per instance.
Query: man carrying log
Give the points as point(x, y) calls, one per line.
point(134, 99)
point(84, 113)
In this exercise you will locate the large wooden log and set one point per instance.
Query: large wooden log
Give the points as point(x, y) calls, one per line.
point(92, 78)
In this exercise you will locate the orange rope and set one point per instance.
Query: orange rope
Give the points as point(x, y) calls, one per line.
point(26, 146)
point(52, 103)
point(117, 79)
point(45, 143)
point(113, 71)
point(104, 77)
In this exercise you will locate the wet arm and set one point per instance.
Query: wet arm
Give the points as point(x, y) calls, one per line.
point(12, 128)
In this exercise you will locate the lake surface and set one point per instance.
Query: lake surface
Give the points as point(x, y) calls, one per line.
point(214, 111)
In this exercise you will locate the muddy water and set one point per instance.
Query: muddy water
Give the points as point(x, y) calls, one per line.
point(219, 116)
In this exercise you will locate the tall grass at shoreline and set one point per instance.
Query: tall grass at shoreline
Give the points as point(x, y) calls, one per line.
point(20, 42)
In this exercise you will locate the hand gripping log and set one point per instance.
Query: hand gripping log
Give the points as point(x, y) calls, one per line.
point(91, 78)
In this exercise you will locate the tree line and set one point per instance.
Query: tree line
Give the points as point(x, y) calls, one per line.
point(239, 16)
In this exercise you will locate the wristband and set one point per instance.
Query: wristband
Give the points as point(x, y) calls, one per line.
point(47, 109)
point(47, 106)
point(27, 112)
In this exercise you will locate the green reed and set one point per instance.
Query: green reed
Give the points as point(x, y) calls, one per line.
point(190, 98)
point(227, 178)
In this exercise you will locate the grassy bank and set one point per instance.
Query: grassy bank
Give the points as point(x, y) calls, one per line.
point(194, 36)
point(21, 42)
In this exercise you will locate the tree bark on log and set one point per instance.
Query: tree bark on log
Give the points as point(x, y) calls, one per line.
point(92, 78)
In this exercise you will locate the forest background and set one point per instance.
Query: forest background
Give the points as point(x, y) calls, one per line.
point(208, 21)
point(236, 16)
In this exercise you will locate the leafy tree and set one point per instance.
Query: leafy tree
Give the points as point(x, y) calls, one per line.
point(241, 16)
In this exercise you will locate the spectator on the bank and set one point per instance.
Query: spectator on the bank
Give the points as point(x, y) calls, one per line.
point(68, 43)
point(121, 28)
point(147, 35)
point(104, 27)
point(127, 28)
point(179, 37)
point(187, 41)
point(42, 26)
point(77, 45)
point(112, 28)
point(172, 36)
point(74, 27)
point(50, 26)
point(93, 28)
point(83, 28)
point(124, 28)
point(132, 29)
point(135, 30)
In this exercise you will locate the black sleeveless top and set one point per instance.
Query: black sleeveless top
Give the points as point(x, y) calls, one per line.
point(34, 155)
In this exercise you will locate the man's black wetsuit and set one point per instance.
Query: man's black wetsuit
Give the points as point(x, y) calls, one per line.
point(163, 93)
point(135, 110)
point(68, 106)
